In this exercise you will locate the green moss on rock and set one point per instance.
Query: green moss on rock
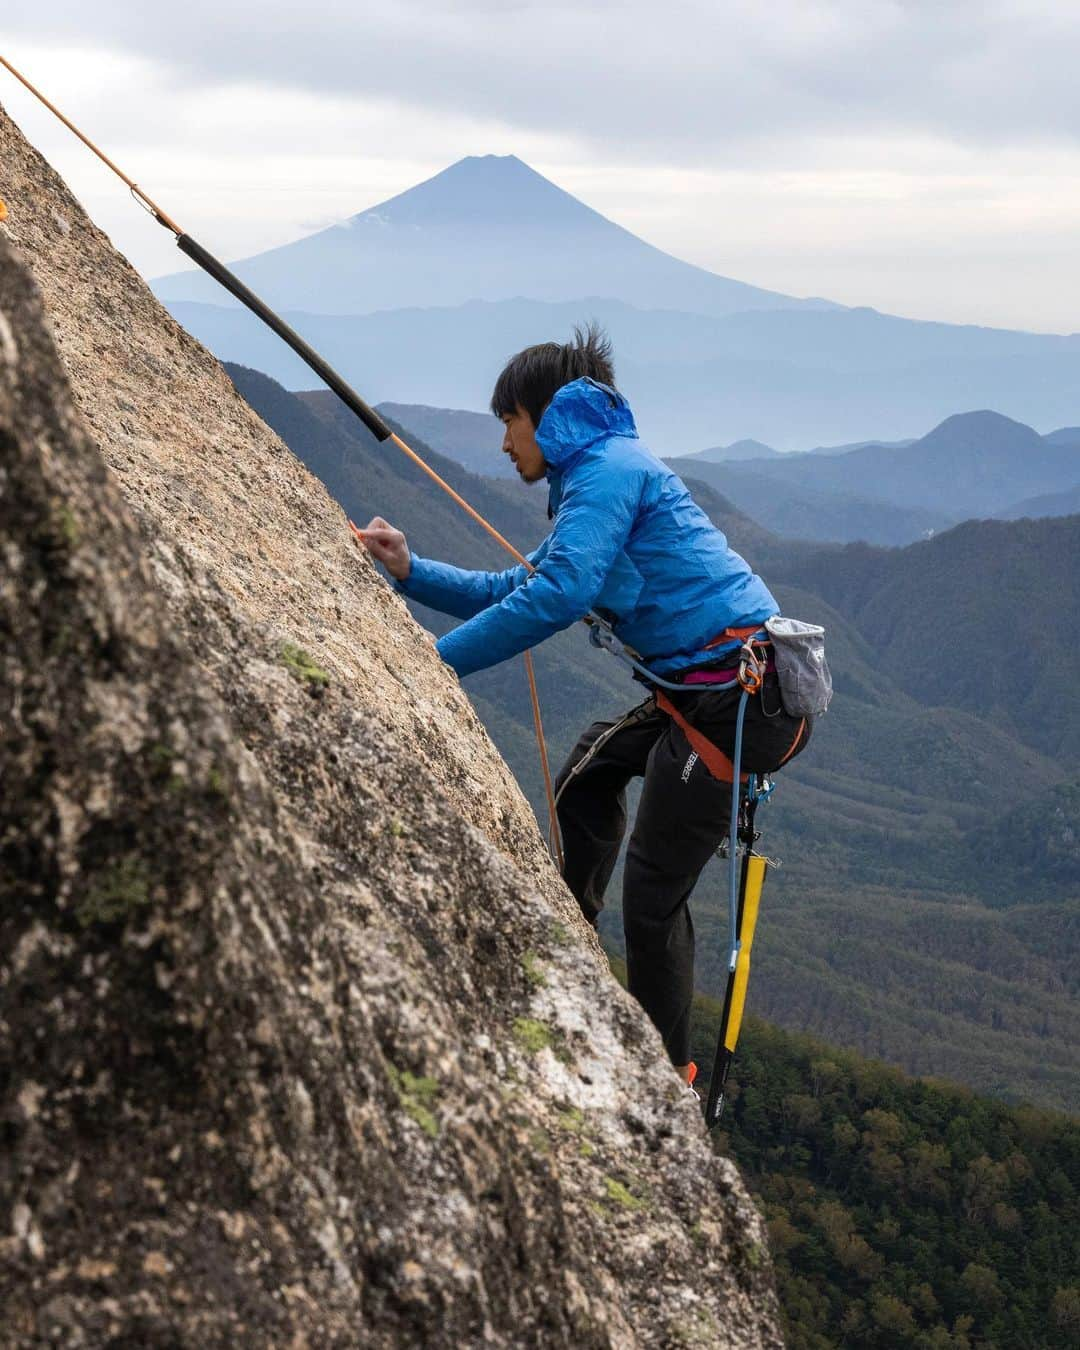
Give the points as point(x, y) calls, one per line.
point(119, 889)
point(572, 1119)
point(418, 1097)
point(558, 934)
point(62, 529)
point(534, 971)
point(298, 663)
point(531, 1035)
point(619, 1194)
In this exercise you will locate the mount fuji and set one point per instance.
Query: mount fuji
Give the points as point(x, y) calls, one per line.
point(486, 228)
point(420, 300)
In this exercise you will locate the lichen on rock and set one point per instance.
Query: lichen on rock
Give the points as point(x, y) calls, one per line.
point(272, 965)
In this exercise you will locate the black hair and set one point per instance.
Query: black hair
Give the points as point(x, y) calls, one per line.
point(531, 379)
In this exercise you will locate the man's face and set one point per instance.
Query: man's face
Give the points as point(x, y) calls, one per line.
point(519, 443)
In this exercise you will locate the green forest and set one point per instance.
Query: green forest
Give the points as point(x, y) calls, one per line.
point(902, 1212)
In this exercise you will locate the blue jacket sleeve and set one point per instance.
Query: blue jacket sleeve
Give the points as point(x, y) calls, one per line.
point(455, 590)
point(596, 515)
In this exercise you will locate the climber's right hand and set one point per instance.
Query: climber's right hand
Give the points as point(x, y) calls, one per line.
point(387, 546)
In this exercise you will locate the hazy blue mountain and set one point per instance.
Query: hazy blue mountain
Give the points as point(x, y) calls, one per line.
point(486, 228)
point(744, 449)
point(789, 378)
point(472, 439)
point(861, 445)
point(972, 464)
point(420, 300)
point(806, 511)
point(1064, 436)
point(1050, 504)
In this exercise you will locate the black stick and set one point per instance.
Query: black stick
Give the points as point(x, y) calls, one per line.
point(326, 373)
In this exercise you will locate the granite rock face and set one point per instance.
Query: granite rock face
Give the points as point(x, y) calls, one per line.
point(302, 1040)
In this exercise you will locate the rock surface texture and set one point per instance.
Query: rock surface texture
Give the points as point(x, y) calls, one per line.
point(302, 1041)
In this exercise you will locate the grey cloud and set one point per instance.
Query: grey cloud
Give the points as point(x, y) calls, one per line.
point(689, 83)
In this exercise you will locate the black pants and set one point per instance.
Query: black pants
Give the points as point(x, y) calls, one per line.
point(681, 821)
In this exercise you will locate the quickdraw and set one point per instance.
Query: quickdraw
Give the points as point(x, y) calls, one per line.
point(744, 901)
point(753, 661)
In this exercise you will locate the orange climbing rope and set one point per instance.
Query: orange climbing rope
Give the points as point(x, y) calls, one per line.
point(136, 191)
point(351, 399)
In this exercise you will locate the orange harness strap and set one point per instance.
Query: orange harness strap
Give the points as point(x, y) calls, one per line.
point(711, 755)
point(733, 635)
point(794, 744)
point(714, 759)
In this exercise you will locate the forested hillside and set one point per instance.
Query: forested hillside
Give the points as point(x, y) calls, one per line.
point(928, 909)
point(472, 439)
point(984, 617)
point(902, 1212)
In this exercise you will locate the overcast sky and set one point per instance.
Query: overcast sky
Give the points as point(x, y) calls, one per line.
point(920, 157)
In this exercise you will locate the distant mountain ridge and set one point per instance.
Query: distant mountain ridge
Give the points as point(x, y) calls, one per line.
point(421, 298)
point(816, 508)
point(861, 445)
point(486, 228)
point(809, 511)
point(977, 464)
point(971, 464)
point(744, 449)
point(790, 378)
point(1049, 504)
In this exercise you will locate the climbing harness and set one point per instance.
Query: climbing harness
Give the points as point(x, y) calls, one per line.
point(747, 790)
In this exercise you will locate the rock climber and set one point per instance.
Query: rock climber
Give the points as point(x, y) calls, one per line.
point(628, 542)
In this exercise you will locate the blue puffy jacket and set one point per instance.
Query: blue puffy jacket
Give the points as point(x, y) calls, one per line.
point(627, 539)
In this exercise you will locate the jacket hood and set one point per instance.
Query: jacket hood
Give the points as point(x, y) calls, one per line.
point(579, 415)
